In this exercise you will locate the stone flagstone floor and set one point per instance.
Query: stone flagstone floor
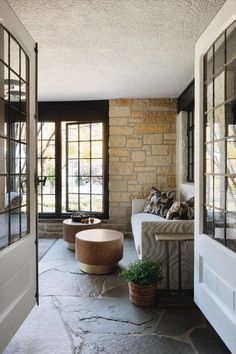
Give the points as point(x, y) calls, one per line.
point(89, 314)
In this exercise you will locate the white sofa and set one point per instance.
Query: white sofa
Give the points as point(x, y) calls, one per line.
point(167, 241)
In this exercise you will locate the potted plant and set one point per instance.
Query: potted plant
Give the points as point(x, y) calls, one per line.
point(142, 276)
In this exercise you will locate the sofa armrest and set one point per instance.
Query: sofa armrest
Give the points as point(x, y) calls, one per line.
point(169, 229)
point(138, 205)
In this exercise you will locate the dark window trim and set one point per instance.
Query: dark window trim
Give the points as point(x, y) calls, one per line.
point(185, 101)
point(190, 137)
point(77, 111)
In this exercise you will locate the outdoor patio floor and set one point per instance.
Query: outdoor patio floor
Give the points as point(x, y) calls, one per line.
point(89, 314)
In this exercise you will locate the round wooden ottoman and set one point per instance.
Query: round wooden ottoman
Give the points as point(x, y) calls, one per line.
point(70, 228)
point(99, 250)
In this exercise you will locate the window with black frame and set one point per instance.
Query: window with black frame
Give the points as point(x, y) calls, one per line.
point(220, 139)
point(190, 138)
point(73, 162)
point(14, 82)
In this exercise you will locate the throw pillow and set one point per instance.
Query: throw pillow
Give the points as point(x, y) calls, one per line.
point(181, 210)
point(152, 200)
point(165, 202)
point(159, 202)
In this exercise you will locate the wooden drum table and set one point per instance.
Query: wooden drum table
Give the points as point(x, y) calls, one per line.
point(70, 228)
point(99, 251)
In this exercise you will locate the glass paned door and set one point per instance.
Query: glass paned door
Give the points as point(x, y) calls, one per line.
point(14, 171)
point(220, 139)
point(215, 184)
point(84, 167)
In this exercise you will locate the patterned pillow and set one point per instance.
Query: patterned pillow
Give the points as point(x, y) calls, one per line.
point(159, 202)
point(181, 210)
point(165, 202)
point(152, 200)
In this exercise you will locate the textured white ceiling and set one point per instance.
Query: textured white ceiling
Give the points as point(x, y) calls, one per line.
point(100, 49)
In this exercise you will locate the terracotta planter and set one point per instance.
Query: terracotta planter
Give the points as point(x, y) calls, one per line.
point(142, 296)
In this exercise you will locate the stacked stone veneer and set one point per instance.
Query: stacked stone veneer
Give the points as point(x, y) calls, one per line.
point(142, 149)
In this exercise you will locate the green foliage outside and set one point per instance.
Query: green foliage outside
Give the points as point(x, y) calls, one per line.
point(143, 272)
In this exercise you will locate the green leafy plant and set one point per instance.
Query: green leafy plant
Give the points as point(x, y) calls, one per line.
point(143, 272)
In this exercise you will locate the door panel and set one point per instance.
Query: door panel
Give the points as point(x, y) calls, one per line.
point(215, 260)
point(18, 239)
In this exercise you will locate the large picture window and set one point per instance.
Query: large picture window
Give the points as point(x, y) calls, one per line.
point(14, 208)
point(73, 164)
point(220, 139)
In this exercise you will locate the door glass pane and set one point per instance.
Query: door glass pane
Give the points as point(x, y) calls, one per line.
point(231, 43)
point(97, 185)
point(4, 230)
point(209, 158)
point(4, 196)
point(84, 149)
point(231, 156)
point(96, 131)
point(209, 218)
point(85, 167)
point(14, 91)
point(231, 194)
point(23, 65)
point(97, 203)
point(219, 192)
point(15, 225)
point(84, 185)
point(209, 64)
point(97, 149)
point(219, 157)
point(219, 125)
point(85, 202)
point(73, 150)
point(73, 169)
point(3, 156)
point(209, 96)
point(219, 85)
point(48, 204)
point(4, 81)
point(97, 167)
point(209, 190)
point(219, 222)
point(73, 186)
point(84, 132)
point(73, 202)
point(14, 56)
point(4, 45)
point(231, 231)
point(219, 49)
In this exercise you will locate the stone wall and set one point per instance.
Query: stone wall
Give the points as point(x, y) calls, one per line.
point(142, 149)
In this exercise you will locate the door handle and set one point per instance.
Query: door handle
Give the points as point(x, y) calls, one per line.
point(42, 180)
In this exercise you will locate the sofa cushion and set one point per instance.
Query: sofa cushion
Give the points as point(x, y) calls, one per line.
point(181, 210)
point(158, 202)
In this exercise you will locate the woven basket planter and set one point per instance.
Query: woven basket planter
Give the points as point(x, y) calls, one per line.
point(142, 296)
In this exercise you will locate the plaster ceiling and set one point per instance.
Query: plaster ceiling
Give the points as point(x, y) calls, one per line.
point(101, 49)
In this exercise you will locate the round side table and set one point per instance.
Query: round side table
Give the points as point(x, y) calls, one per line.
point(70, 228)
point(99, 251)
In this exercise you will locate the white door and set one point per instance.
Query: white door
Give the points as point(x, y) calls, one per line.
point(215, 221)
point(18, 241)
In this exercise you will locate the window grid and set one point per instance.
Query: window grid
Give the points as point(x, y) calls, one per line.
point(14, 210)
point(90, 176)
point(220, 139)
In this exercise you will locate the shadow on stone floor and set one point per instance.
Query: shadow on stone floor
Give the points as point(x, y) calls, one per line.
point(91, 314)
